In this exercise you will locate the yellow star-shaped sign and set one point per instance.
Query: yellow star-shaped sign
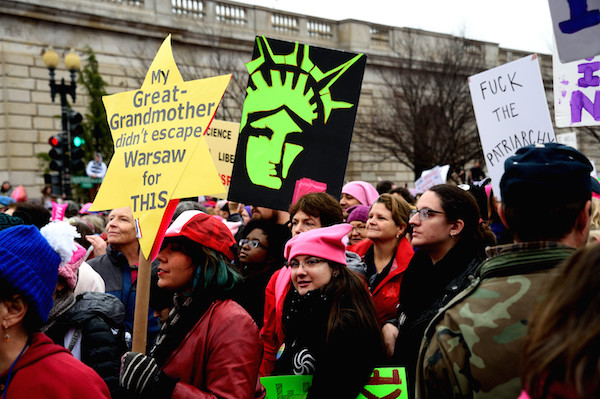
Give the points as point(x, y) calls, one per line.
point(160, 152)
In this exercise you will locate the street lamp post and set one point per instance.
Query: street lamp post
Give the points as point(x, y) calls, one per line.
point(72, 63)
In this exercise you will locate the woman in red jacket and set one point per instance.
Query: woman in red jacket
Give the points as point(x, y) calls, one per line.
point(209, 347)
point(386, 253)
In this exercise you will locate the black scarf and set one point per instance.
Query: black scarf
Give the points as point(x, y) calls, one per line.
point(423, 282)
point(305, 326)
point(187, 312)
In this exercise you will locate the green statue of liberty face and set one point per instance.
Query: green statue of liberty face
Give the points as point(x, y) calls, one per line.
point(270, 155)
point(293, 94)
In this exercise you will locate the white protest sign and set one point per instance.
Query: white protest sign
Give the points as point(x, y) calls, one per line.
point(569, 139)
point(577, 92)
point(511, 111)
point(576, 25)
point(430, 178)
point(221, 138)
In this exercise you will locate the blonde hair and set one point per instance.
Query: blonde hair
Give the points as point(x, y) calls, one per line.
point(398, 206)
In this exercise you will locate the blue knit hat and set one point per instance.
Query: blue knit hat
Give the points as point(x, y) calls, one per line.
point(30, 265)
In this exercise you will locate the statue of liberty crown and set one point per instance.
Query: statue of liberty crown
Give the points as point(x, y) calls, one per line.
point(282, 91)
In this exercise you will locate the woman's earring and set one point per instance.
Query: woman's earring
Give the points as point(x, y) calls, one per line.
point(6, 335)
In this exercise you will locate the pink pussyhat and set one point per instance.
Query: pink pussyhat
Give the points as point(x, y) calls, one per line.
point(364, 192)
point(488, 190)
point(69, 270)
point(325, 243)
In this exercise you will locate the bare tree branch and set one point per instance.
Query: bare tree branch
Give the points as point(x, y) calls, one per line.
point(591, 131)
point(423, 116)
point(197, 62)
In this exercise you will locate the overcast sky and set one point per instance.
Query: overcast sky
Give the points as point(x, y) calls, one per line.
point(514, 24)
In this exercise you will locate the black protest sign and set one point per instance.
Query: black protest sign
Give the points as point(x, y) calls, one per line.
point(296, 124)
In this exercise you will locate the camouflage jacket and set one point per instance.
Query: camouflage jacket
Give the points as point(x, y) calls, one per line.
point(473, 347)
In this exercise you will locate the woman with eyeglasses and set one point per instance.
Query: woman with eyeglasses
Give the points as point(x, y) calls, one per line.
point(331, 331)
point(357, 218)
point(450, 241)
point(260, 255)
point(209, 346)
point(311, 211)
point(386, 253)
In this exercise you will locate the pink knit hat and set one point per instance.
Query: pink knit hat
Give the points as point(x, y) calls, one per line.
point(325, 243)
point(69, 270)
point(362, 191)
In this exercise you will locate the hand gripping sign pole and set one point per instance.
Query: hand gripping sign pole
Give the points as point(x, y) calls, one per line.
point(160, 156)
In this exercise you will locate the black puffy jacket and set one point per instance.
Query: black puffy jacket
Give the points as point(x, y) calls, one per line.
point(100, 318)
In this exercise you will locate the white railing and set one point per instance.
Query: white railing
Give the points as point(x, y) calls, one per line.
point(132, 3)
point(231, 14)
point(284, 23)
point(319, 29)
point(190, 8)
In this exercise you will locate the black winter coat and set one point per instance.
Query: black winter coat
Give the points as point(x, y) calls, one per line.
point(342, 365)
point(425, 289)
point(100, 317)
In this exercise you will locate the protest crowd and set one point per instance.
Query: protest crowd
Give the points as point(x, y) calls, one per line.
point(332, 287)
point(475, 284)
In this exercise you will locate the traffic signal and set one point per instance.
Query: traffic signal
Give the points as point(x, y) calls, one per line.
point(54, 182)
point(57, 152)
point(77, 140)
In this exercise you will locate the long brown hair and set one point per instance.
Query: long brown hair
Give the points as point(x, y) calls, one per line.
point(460, 204)
point(563, 342)
point(346, 286)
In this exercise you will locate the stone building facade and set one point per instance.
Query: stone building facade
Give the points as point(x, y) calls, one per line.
point(209, 37)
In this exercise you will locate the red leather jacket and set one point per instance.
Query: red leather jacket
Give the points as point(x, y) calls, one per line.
point(219, 357)
point(386, 296)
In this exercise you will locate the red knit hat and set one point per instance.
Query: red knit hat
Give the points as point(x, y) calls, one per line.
point(325, 243)
point(204, 229)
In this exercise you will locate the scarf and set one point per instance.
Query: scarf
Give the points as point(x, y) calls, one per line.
point(188, 310)
point(305, 325)
point(62, 303)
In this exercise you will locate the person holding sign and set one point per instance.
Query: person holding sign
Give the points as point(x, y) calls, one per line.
point(450, 243)
point(328, 317)
point(209, 345)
